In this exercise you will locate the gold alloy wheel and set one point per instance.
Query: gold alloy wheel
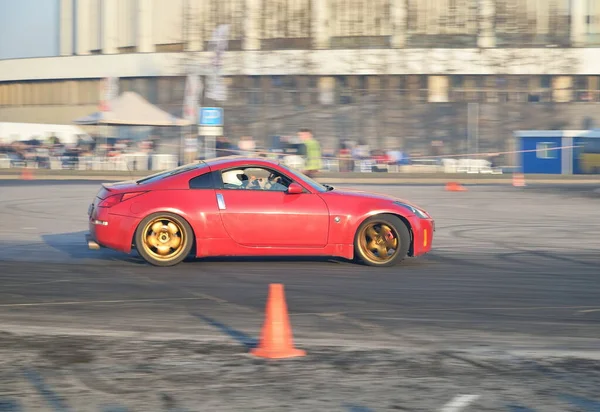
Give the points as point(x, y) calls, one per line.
point(379, 242)
point(164, 238)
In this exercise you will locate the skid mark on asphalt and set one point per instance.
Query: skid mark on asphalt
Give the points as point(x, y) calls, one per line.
point(357, 408)
point(247, 341)
point(473, 362)
point(98, 302)
point(518, 408)
point(35, 283)
point(550, 256)
point(474, 233)
point(188, 291)
point(361, 324)
point(459, 403)
point(583, 309)
point(438, 258)
point(382, 332)
point(57, 404)
point(510, 321)
point(11, 295)
point(580, 402)
point(15, 206)
point(588, 310)
point(114, 408)
point(522, 256)
point(88, 379)
point(10, 405)
point(583, 403)
point(47, 393)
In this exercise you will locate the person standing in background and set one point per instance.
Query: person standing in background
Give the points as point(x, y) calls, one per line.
point(223, 147)
point(313, 152)
point(247, 146)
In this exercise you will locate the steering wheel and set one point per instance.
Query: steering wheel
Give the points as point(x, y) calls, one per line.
point(273, 178)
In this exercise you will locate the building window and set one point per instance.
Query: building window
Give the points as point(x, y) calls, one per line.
point(546, 150)
point(286, 24)
point(217, 12)
point(444, 23)
point(592, 24)
point(562, 89)
point(438, 87)
point(357, 24)
point(533, 23)
point(586, 88)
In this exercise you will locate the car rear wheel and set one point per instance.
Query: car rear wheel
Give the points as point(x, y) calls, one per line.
point(382, 240)
point(164, 239)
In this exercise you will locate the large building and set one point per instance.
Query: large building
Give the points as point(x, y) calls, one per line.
point(454, 75)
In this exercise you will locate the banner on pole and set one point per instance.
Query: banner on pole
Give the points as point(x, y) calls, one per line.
point(193, 88)
point(109, 90)
point(216, 88)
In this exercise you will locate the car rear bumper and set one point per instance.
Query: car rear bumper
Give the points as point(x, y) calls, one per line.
point(111, 231)
point(91, 242)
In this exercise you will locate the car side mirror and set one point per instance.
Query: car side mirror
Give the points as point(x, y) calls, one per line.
point(294, 189)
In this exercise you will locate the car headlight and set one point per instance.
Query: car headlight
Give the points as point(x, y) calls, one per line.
point(420, 213)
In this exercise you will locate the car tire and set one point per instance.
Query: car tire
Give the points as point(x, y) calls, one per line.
point(400, 232)
point(146, 239)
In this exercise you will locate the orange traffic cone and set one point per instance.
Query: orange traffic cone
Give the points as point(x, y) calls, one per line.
point(455, 187)
point(276, 335)
point(518, 180)
point(26, 174)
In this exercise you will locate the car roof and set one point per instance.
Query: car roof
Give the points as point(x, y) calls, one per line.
point(237, 161)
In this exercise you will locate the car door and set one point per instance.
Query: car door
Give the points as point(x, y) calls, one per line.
point(265, 218)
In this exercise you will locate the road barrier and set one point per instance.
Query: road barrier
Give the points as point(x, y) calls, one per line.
point(468, 163)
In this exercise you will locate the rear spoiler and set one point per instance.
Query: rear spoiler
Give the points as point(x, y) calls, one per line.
point(104, 191)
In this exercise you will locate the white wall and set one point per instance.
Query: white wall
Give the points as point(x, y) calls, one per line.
point(66, 27)
point(127, 23)
point(582, 61)
point(167, 22)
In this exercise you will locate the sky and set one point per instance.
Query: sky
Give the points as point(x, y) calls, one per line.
point(29, 28)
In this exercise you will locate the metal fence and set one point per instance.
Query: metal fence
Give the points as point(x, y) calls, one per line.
point(461, 120)
point(405, 113)
point(139, 162)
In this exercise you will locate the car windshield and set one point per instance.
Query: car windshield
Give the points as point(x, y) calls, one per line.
point(167, 173)
point(301, 176)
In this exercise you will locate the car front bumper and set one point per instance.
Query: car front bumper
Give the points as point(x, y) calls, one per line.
point(422, 235)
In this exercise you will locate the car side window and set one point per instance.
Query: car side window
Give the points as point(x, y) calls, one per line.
point(255, 178)
point(204, 181)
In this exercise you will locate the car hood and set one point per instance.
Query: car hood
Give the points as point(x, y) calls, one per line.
point(370, 195)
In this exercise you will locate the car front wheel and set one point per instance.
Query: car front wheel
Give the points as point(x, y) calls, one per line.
point(382, 240)
point(164, 239)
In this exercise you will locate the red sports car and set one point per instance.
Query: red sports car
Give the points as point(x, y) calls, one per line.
point(238, 206)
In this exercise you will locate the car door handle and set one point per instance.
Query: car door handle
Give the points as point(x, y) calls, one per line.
point(221, 201)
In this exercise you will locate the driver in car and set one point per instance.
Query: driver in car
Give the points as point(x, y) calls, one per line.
point(275, 183)
point(237, 179)
point(271, 183)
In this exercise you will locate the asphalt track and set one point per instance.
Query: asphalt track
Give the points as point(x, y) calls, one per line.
point(506, 309)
